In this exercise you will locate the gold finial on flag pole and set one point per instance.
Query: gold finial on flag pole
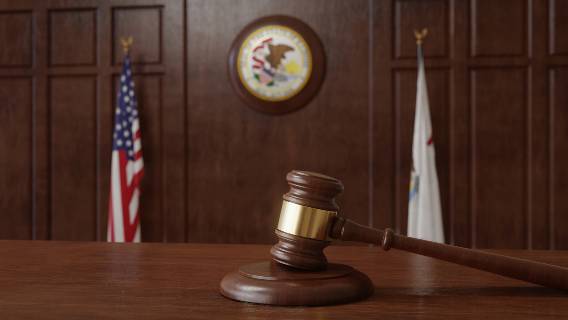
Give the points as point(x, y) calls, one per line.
point(420, 35)
point(126, 43)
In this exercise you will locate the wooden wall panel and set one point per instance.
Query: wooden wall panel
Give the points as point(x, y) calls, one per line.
point(382, 148)
point(73, 145)
point(499, 28)
point(409, 16)
point(499, 168)
point(238, 158)
point(76, 54)
point(558, 27)
point(141, 23)
point(501, 159)
point(215, 169)
point(72, 37)
point(16, 33)
point(16, 202)
point(559, 130)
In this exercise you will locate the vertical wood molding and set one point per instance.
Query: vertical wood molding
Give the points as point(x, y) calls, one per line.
point(528, 159)
point(551, 158)
point(451, 127)
point(384, 173)
point(41, 127)
point(473, 156)
point(371, 103)
point(551, 29)
point(397, 155)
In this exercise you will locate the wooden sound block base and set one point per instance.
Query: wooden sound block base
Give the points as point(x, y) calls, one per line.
point(271, 283)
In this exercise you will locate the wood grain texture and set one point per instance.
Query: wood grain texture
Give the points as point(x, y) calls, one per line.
point(499, 163)
point(499, 134)
point(410, 15)
point(142, 23)
point(559, 98)
point(274, 284)
point(80, 25)
point(234, 148)
point(16, 201)
point(558, 27)
point(69, 110)
point(499, 29)
point(203, 144)
point(72, 160)
point(17, 35)
point(178, 281)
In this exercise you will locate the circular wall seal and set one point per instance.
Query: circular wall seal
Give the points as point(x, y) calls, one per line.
point(276, 64)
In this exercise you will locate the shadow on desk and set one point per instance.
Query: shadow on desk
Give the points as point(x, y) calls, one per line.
point(494, 291)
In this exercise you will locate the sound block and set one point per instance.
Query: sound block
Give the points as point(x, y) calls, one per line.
point(271, 283)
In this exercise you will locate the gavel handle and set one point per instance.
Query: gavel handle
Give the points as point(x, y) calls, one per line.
point(531, 271)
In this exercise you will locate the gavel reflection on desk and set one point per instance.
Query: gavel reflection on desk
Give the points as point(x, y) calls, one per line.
point(299, 273)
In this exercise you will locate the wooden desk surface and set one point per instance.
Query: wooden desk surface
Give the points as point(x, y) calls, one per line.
point(70, 280)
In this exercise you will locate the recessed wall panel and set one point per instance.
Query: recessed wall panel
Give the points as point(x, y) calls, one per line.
point(72, 37)
point(498, 28)
point(499, 156)
point(16, 194)
point(413, 15)
point(144, 25)
point(73, 143)
point(558, 27)
point(559, 151)
point(16, 33)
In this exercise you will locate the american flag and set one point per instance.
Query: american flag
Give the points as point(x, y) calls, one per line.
point(127, 166)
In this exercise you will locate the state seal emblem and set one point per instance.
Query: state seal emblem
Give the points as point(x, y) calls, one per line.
point(276, 64)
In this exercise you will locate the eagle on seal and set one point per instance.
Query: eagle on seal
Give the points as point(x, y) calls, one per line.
point(277, 53)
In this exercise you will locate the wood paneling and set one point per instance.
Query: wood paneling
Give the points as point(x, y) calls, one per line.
point(411, 15)
point(498, 169)
point(73, 145)
point(499, 136)
point(16, 34)
point(558, 26)
point(238, 158)
point(140, 23)
point(16, 202)
point(215, 168)
point(499, 28)
point(79, 25)
point(59, 130)
point(559, 130)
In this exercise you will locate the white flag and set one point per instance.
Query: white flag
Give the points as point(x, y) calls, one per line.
point(424, 209)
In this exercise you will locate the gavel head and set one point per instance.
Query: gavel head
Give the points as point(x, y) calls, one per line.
point(308, 213)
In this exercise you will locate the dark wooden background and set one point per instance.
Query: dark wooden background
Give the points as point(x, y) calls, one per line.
point(497, 74)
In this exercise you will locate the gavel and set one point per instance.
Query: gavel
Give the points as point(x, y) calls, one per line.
point(309, 221)
point(299, 273)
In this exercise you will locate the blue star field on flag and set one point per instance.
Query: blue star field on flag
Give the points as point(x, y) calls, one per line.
point(126, 112)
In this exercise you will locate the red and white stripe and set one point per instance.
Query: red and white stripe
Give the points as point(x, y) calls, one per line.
point(124, 218)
